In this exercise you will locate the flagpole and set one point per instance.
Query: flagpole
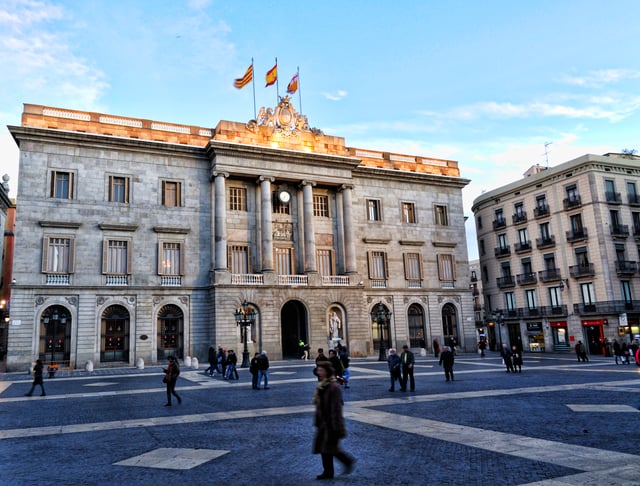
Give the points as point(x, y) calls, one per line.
point(253, 84)
point(277, 85)
point(299, 90)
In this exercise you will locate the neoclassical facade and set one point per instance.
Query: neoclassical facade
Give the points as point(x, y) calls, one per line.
point(142, 239)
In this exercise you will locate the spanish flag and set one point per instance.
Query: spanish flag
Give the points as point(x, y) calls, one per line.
point(292, 87)
point(244, 80)
point(272, 75)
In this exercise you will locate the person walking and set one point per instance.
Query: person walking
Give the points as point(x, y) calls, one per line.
point(212, 358)
point(253, 369)
point(344, 359)
point(581, 352)
point(408, 360)
point(171, 373)
point(221, 361)
point(37, 379)
point(436, 348)
point(506, 357)
point(446, 361)
point(232, 361)
point(335, 361)
point(329, 422)
point(263, 370)
point(319, 357)
point(482, 345)
point(393, 361)
point(516, 358)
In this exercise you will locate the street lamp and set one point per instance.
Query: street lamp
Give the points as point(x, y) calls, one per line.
point(245, 318)
point(381, 316)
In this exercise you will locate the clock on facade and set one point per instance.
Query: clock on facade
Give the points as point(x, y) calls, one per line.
point(284, 197)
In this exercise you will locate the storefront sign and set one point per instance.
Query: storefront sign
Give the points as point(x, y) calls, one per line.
point(594, 322)
point(534, 326)
point(558, 323)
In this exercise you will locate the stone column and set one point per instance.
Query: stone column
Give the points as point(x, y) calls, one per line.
point(309, 231)
point(349, 246)
point(220, 221)
point(266, 223)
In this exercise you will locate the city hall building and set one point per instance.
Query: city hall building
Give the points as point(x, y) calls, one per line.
point(138, 239)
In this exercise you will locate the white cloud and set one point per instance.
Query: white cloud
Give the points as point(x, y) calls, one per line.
point(600, 78)
point(337, 96)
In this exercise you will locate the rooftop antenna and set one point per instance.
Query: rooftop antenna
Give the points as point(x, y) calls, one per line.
point(546, 152)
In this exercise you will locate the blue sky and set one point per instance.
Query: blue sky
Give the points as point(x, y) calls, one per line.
point(486, 83)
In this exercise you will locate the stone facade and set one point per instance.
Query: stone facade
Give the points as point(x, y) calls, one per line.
point(559, 252)
point(138, 239)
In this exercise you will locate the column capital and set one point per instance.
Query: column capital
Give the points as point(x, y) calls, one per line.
point(216, 173)
point(346, 187)
point(264, 178)
point(308, 183)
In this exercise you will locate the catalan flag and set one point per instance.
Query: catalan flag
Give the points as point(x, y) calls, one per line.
point(292, 87)
point(272, 75)
point(244, 80)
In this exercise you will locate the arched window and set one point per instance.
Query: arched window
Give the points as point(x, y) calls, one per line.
point(55, 334)
point(114, 336)
point(416, 327)
point(450, 324)
point(170, 332)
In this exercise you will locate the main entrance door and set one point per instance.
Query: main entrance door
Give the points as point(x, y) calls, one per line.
point(293, 327)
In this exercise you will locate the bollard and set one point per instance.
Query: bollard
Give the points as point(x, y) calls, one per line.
point(194, 363)
point(187, 361)
point(140, 363)
point(88, 366)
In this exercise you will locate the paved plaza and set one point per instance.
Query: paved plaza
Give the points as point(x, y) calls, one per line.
point(559, 422)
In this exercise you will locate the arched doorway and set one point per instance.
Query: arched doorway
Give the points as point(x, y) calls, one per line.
point(450, 324)
point(114, 334)
point(293, 328)
point(55, 334)
point(170, 332)
point(415, 316)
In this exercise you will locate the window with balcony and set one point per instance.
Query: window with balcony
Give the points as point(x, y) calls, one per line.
point(626, 293)
point(635, 217)
point(610, 194)
point(573, 197)
point(588, 296)
point(446, 269)
point(378, 269)
point(116, 261)
point(524, 244)
point(413, 269)
point(408, 212)
point(171, 255)
point(171, 193)
point(617, 229)
point(541, 209)
point(237, 199)
point(555, 297)
point(499, 220)
point(284, 260)
point(58, 258)
point(119, 189)
point(374, 210)
point(546, 239)
point(321, 206)
point(238, 259)
point(510, 302)
point(62, 184)
point(577, 231)
point(324, 257)
point(532, 301)
point(441, 215)
point(632, 194)
point(520, 215)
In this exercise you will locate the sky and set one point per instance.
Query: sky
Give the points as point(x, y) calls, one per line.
point(498, 86)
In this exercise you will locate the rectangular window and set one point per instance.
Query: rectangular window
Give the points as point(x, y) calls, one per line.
point(119, 189)
point(519, 209)
point(523, 236)
point(502, 241)
point(446, 268)
point(377, 265)
point(632, 193)
point(61, 184)
point(572, 193)
point(284, 260)
point(532, 299)
point(626, 291)
point(115, 257)
point(479, 222)
point(408, 213)
point(238, 257)
point(171, 194)
point(321, 206)
point(545, 232)
point(442, 218)
point(576, 223)
point(237, 199)
point(555, 296)
point(325, 262)
point(412, 266)
point(482, 250)
point(373, 210)
point(171, 258)
point(588, 293)
point(510, 301)
point(58, 255)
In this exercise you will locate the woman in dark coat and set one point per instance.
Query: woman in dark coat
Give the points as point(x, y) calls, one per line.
point(329, 422)
point(171, 373)
point(37, 379)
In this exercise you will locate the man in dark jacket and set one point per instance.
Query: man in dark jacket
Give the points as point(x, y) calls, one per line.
point(446, 361)
point(394, 369)
point(263, 370)
point(408, 360)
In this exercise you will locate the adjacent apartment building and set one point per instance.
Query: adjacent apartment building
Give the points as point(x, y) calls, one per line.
point(559, 252)
point(143, 239)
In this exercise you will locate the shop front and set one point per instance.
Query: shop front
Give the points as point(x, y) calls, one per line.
point(535, 337)
point(594, 335)
point(560, 335)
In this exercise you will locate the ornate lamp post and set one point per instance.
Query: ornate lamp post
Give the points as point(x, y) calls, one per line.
point(245, 318)
point(381, 316)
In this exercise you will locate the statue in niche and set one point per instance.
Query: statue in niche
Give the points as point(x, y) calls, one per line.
point(335, 325)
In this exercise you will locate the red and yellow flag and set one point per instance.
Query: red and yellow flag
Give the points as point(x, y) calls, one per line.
point(292, 87)
point(244, 80)
point(272, 75)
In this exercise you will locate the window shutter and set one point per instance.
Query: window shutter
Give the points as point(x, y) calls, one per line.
point(386, 265)
point(182, 258)
point(407, 273)
point(105, 255)
point(163, 191)
point(229, 258)
point(45, 254)
point(71, 196)
point(160, 249)
point(72, 255)
point(129, 256)
point(369, 263)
